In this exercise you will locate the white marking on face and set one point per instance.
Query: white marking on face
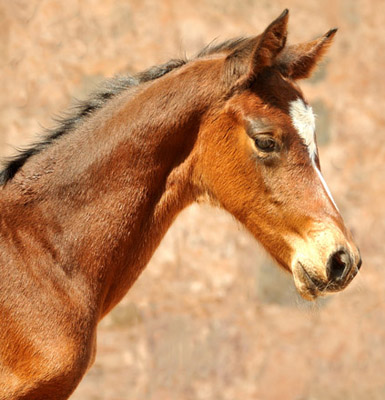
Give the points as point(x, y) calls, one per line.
point(325, 185)
point(304, 122)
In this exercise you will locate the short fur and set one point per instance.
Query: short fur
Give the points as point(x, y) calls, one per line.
point(83, 210)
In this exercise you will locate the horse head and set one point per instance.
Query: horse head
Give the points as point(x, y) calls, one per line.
point(259, 160)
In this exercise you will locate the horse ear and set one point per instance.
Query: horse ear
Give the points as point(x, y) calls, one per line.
point(298, 61)
point(259, 52)
point(272, 42)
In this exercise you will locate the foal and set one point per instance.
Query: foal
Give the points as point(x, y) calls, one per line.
point(82, 211)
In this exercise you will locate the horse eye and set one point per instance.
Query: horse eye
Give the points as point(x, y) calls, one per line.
point(266, 144)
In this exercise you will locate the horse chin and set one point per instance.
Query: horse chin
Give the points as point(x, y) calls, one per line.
point(308, 287)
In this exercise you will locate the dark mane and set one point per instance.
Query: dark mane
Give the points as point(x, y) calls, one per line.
point(97, 100)
point(227, 46)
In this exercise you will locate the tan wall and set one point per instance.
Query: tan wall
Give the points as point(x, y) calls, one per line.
point(211, 318)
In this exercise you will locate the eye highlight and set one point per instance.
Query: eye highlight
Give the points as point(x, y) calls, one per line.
point(265, 143)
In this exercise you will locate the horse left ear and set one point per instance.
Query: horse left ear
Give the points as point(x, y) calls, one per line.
point(298, 61)
point(254, 54)
point(271, 43)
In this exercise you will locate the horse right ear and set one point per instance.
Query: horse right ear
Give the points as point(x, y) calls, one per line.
point(298, 61)
point(258, 53)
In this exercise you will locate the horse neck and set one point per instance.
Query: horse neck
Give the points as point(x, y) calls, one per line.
point(103, 196)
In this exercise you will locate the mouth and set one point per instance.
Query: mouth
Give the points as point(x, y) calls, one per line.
point(310, 287)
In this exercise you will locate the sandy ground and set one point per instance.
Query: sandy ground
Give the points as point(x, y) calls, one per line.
point(211, 317)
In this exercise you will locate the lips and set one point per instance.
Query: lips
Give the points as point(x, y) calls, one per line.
point(310, 287)
point(313, 287)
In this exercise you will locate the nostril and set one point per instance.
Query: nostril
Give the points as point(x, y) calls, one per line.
point(339, 265)
point(359, 264)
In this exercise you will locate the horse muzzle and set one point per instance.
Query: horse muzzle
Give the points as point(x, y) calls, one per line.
point(312, 281)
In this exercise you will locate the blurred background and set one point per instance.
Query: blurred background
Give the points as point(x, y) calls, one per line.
point(211, 317)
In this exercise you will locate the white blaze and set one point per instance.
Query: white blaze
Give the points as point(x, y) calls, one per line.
point(325, 186)
point(304, 122)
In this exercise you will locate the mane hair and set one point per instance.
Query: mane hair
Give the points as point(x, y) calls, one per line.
point(98, 99)
point(227, 46)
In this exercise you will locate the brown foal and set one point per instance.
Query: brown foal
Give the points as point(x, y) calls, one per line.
point(83, 210)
